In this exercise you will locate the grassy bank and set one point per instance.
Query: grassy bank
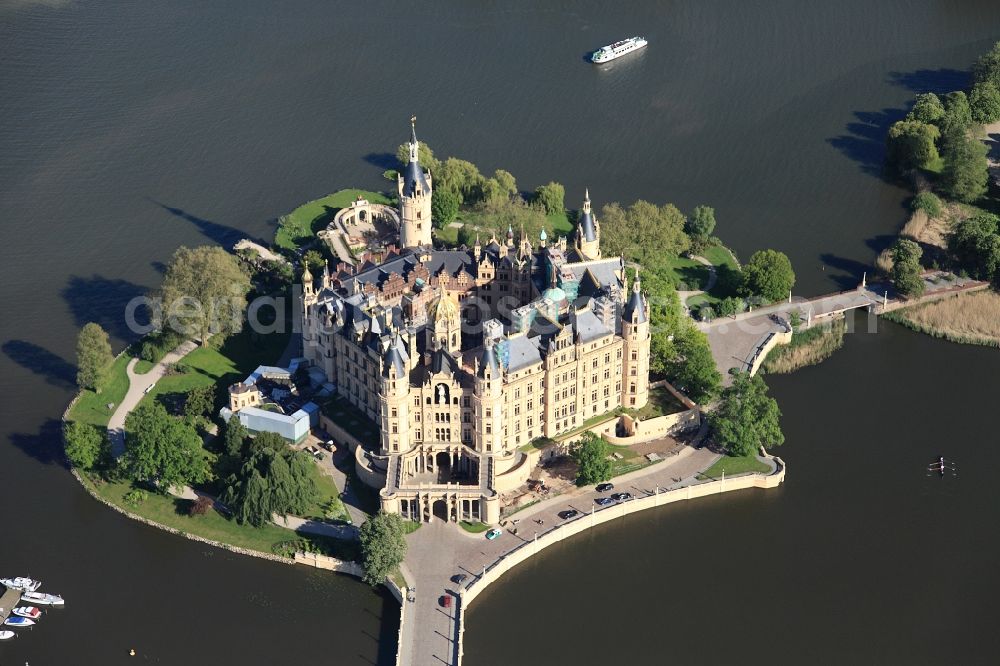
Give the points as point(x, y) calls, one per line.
point(172, 512)
point(972, 319)
point(812, 346)
point(92, 407)
point(299, 227)
point(733, 465)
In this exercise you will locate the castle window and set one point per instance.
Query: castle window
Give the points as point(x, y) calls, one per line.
point(416, 402)
point(395, 429)
point(393, 412)
point(418, 435)
point(631, 389)
point(489, 430)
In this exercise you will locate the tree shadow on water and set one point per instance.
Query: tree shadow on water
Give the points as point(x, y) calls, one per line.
point(938, 81)
point(849, 271)
point(53, 368)
point(217, 233)
point(45, 446)
point(383, 161)
point(102, 300)
point(864, 140)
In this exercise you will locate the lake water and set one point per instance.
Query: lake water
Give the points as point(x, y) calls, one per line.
point(130, 129)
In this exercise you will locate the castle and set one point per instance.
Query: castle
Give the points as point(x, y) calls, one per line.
point(462, 356)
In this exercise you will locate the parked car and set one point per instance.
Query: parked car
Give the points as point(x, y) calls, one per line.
point(458, 579)
point(604, 487)
point(621, 497)
point(569, 513)
point(446, 600)
point(603, 501)
point(150, 387)
point(493, 534)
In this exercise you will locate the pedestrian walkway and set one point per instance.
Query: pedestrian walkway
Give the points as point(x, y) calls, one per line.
point(138, 385)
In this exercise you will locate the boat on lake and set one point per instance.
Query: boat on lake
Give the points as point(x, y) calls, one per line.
point(43, 599)
point(19, 622)
point(21, 583)
point(29, 612)
point(618, 49)
point(6, 635)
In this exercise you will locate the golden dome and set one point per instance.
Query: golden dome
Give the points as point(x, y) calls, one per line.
point(442, 308)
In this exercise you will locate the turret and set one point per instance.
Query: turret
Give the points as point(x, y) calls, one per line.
point(489, 401)
point(395, 394)
point(588, 232)
point(415, 189)
point(444, 326)
point(635, 332)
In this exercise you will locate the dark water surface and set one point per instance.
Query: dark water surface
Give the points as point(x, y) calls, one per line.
point(131, 128)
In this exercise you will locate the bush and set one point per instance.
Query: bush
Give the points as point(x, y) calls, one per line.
point(927, 202)
point(200, 506)
point(156, 345)
point(135, 497)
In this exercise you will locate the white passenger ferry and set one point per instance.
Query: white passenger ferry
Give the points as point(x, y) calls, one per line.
point(618, 49)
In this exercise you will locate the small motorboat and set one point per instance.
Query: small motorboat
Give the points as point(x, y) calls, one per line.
point(43, 599)
point(6, 635)
point(29, 612)
point(19, 622)
point(21, 583)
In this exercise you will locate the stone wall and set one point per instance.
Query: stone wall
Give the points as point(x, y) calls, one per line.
point(654, 428)
point(566, 530)
point(338, 433)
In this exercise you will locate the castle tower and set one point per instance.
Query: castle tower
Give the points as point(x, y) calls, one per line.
point(310, 340)
point(489, 402)
point(414, 186)
point(588, 232)
point(635, 332)
point(395, 398)
point(444, 326)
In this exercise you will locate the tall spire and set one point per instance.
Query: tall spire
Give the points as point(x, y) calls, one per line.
point(586, 200)
point(414, 145)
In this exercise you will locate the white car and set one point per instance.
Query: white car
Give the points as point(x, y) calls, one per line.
point(150, 387)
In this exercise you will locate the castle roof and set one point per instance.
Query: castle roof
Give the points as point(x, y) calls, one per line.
point(635, 309)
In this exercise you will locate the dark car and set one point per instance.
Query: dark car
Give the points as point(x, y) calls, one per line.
point(458, 579)
point(569, 513)
point(603, 501)
point(621, 497)
point(446, 601)
point(604, 487)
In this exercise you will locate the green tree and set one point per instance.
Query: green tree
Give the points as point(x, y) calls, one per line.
point(315, 260)
point(85, 444)
point(505, 179)
point(551, 197)
point(491, 193)
point(444, 207)
point(459, 177)
point(236, 437)
point(592, 458)
point(693, 370)
point(747, 417)
point(768, 275)
point(730, 306)
point(701, 224)
point(927, 202)
point(274, 479)
point(987, 68)
point(424, 154)
point(467, 236)
point(966, 170)
point(199, 401)
point(976, 245)
point(383, 546)
point(643, 232)
point(204, 292)
point(93, 357)
point(927, 109)
point(984, 101)
point(161, 449)
point(906, 268)
point(910, 145)
point(957, 112)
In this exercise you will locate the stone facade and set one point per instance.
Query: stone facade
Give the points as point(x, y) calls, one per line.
point(462, 356)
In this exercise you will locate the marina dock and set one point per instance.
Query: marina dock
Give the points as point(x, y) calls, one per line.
point(8, 602)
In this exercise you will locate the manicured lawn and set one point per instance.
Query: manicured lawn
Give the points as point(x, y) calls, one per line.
point(689, 274)
point(92, 407)
point(233, 361)
point(661, 402)
point(720, 256)
point(411, 526)
point(327, 504)
point(734, 465)
point(300, 226)
point(475, 528)
point(142, 366)
point(561, 223)
point(448, 235)
point(171, 512)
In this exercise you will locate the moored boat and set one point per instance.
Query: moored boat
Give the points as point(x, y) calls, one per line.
point(21, 583)
point(29, 612)
point(6, 635)
point(19, 622)
point(618, 49)
point(43, 599)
